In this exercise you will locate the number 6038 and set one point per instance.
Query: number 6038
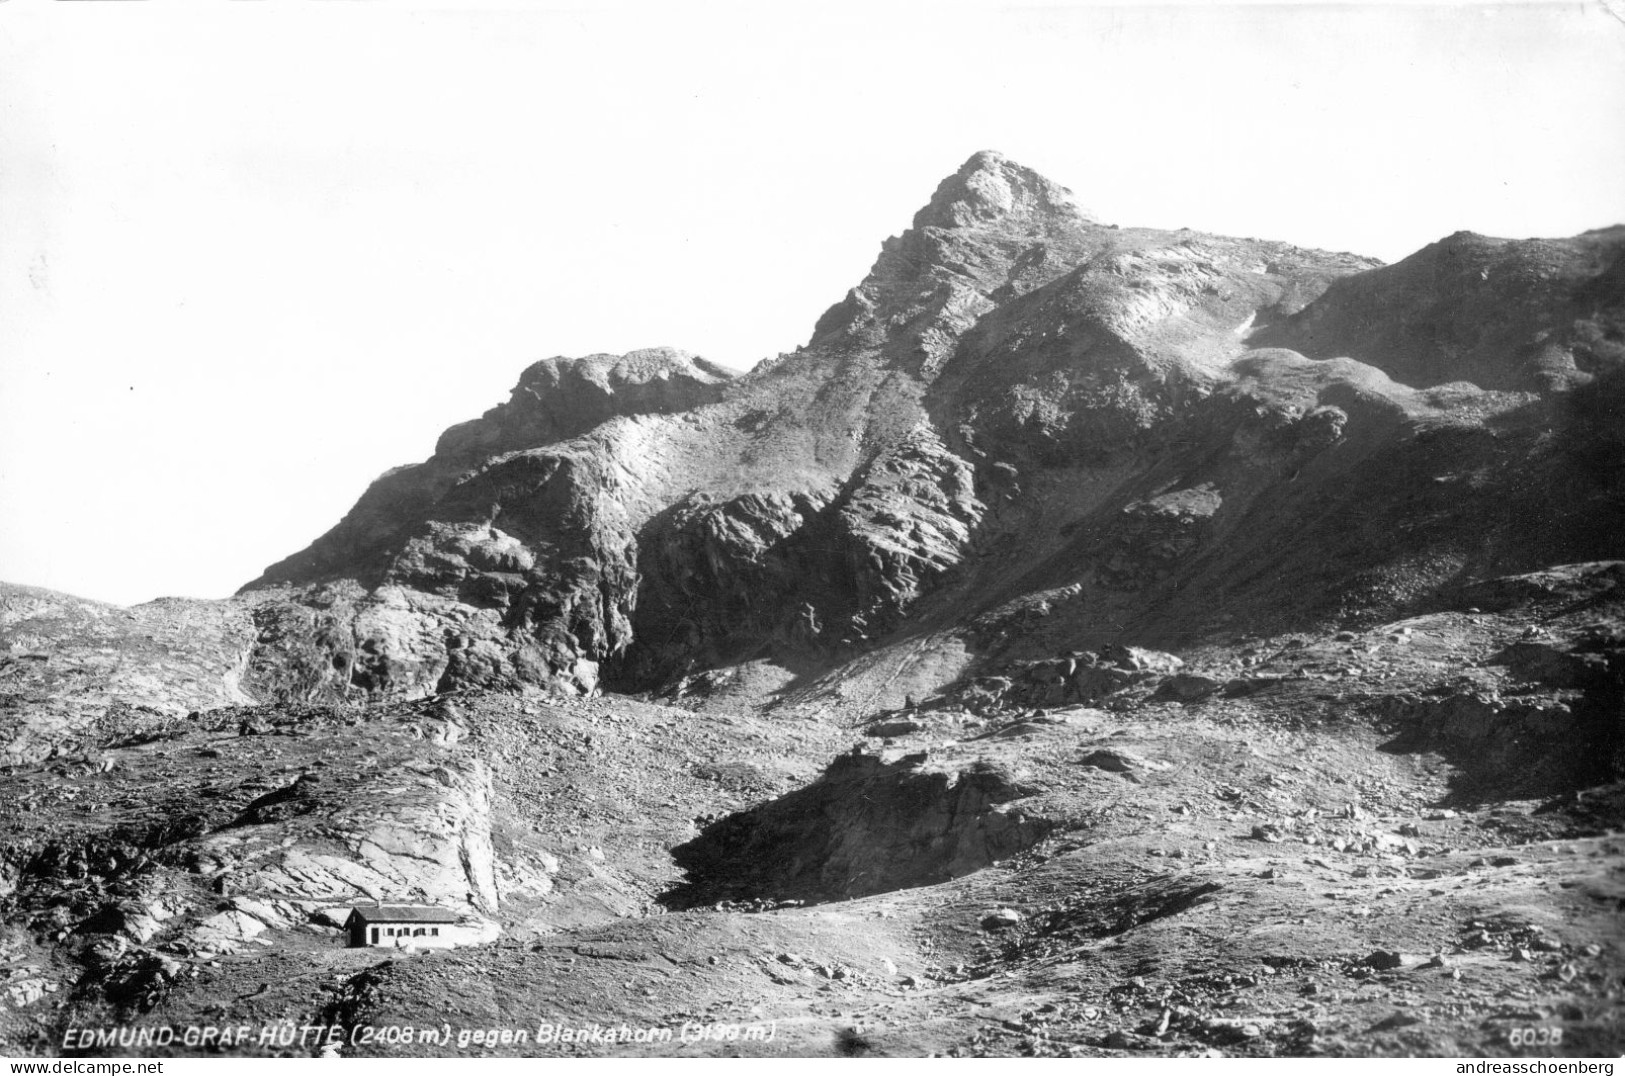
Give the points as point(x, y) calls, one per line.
point(1535, 1036)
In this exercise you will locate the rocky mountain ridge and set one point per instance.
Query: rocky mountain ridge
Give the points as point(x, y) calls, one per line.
point(1014, 383)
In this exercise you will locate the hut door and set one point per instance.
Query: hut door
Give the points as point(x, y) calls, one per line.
point(375, 935)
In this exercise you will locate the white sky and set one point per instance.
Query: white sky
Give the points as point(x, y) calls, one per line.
point(253, 254)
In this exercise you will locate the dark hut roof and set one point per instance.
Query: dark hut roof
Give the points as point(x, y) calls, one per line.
point(403, 913)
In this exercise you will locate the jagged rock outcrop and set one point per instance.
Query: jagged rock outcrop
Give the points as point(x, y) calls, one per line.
point(722, 579)
point(1554, 724)
point(558, 398)
point(249, 821)
point(419, 833)
point(1152, 536)
point(908, 520)
point(463, 601)
point(505, 558)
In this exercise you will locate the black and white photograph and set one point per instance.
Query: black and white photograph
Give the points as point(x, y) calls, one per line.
point(896, 530)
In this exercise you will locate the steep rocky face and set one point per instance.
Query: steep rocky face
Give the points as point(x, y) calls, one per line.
point(722, 580)
point(992, 230)
point(907, 520)
point(494, 562)
point(1179, 431)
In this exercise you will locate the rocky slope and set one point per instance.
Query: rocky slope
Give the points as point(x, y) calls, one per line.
point(1095, 640)
point(75, 673)
point(1397, 840)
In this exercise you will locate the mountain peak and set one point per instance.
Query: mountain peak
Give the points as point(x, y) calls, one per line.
point(990, 187)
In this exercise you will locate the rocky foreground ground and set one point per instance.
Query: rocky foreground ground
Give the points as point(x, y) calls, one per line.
point(1399, 839)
